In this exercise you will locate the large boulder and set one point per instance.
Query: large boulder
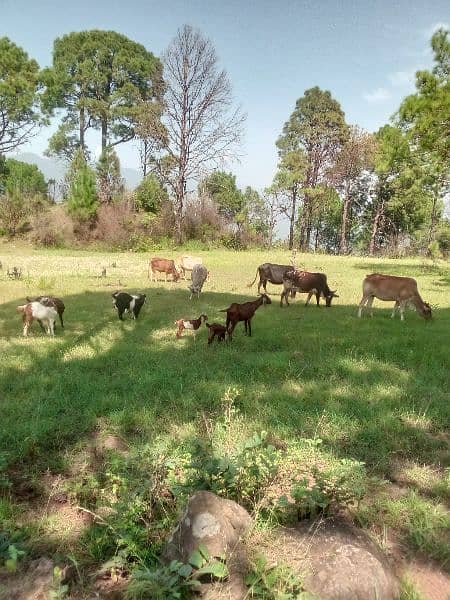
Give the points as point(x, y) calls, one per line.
point(336, 560)
point(218, 524)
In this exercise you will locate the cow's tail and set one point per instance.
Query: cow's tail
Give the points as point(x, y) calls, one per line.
point(256, 276)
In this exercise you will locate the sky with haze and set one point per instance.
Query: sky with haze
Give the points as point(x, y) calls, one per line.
point(364, 53)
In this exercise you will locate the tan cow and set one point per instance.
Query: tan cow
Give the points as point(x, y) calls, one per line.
point(401, 290)
point(187, 263)
point(162, 265)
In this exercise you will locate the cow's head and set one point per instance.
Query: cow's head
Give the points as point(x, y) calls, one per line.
point(425, 311)
point(329, 297)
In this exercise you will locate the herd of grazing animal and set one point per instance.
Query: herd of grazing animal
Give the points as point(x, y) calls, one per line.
point(401, 290)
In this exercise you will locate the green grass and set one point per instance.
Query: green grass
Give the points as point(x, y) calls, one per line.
point(373, 390)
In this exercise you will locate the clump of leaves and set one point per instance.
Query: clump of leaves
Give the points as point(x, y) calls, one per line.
point(60, 589)
point(241, 476)
point(177, 580)
point(274, 582)
point(10, 553)
point(339, 487)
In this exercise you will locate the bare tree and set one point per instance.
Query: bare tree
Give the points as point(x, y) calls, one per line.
point(203, 130)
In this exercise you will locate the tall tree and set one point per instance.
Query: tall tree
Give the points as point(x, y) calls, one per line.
point(288, 184)
point(355, 157)
point(98, 79)
point(202, 128)
point(316, 127)
point(425, 117)
point(19, 86)
point(82, 202)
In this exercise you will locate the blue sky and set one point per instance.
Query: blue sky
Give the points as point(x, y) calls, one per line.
point(365, 53)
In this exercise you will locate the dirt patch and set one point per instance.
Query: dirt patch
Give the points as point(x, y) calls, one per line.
point(429, 579)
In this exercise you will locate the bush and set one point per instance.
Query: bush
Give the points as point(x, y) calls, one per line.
point(116, 225)
point(53, 228)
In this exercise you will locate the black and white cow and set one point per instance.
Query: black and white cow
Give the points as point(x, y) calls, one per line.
point(128, 303)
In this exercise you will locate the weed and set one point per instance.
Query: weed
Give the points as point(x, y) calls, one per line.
point(274, 582)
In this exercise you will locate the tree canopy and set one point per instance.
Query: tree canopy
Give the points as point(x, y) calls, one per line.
point(19, 86)
point(97, 79)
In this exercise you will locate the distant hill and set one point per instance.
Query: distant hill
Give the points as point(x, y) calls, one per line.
point(56, 169)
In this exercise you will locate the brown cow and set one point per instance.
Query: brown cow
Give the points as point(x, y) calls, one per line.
point(162, 265)
point(402, 290)
point(312, 283)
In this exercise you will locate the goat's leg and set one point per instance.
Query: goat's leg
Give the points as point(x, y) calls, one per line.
point(41, 325)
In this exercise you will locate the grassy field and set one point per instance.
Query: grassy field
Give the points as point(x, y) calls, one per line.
point(103, 408)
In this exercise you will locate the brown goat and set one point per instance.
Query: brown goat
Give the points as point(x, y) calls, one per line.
point(215, 329)
point(190, 325)
point(243, 312)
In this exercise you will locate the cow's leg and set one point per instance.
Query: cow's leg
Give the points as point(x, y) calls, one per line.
point(245, 326)
point(361, 305)
point(369, 304)
point(402, 305)
point(308, 298)
point(250, 327)
point(318, 299)
point(396, 306)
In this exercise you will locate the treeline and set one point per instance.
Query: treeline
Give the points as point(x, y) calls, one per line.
point(341, 189)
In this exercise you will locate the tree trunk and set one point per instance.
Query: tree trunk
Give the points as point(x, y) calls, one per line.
point(82, 130)
point(292, 219)
point(343, 244)
point(433, 223)
point(375, 228)
point(104, 133)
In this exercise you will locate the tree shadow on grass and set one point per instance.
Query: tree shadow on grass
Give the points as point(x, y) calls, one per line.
point(368, 387)
point(402, 268)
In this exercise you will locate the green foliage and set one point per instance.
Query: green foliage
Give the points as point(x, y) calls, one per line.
point(13, 211)
point(274, 582)
point(222, 188)
point(150, 195)
point(19, 85)
point(82, 204)
point(176, 580)
point(60, 590)
point(10, 553)
point(24, 178)
point(241, 476)
point(339, 487)
point(424, 114)
point(97, 78)
point(109, 179)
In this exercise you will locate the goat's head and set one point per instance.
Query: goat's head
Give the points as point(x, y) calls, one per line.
point(22, 308)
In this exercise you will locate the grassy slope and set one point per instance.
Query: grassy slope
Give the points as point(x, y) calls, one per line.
point(375, 390)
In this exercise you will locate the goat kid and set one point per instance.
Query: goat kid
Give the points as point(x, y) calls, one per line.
point(215, 329)
point(189, 325)
point(36, 310)
point(128, 303)
point(243, 312)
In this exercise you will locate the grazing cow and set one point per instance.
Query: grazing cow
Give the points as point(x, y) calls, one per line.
point(272, 273)
point(128, 303)
point(187, 263)
point(36, 310)
point(199, 275)
point(402, 290)
point(162, 265)
point(310, 283)
point(215, 329)
point(57, 303)
point(243, 312)
point(189, 325)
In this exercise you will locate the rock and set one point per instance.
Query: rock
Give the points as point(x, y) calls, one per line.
point(337, 561)
point(219, 525)
point(34, 584)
